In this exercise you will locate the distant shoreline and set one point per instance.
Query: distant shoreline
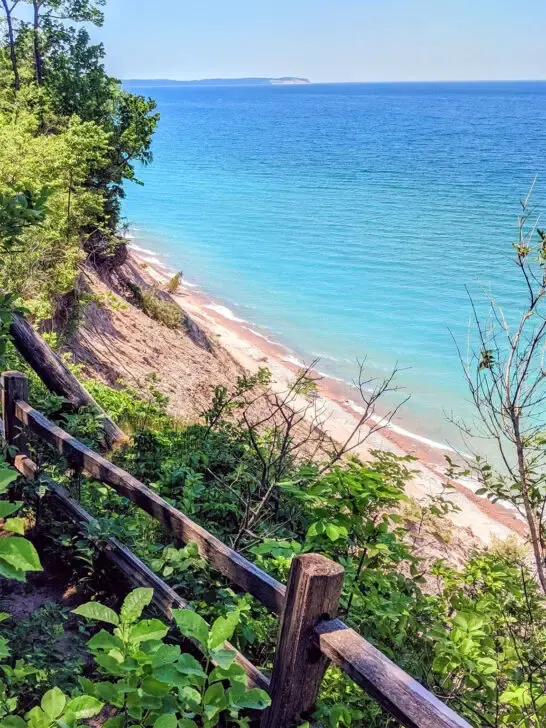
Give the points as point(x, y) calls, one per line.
point(215, 82)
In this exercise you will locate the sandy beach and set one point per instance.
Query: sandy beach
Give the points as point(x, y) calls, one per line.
point(339, 406)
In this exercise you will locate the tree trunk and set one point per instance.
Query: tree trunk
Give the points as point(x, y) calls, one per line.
point(531, 521)
point(56, 376)
point(38, 65)
point(11, 38)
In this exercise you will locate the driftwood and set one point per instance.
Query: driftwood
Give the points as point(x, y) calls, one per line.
point(56, 375)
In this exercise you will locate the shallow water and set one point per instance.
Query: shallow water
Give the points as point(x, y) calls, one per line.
point(345, 220)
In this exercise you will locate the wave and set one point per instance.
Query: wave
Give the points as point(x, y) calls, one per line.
point(224, 311)
point(292, 360)
point(401, 430)
point(261, 336)
point(330, 376)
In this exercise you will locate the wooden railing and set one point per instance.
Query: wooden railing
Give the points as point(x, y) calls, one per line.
point(310, 636)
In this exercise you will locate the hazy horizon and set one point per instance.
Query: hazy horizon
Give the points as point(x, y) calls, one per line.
point(357, 41)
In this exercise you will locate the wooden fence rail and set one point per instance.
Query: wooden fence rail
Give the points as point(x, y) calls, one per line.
point(310, 636)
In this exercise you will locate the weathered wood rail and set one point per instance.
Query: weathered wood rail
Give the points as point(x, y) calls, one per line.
point(310, 636)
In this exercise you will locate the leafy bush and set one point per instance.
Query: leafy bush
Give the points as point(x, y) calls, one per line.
point(174, 283)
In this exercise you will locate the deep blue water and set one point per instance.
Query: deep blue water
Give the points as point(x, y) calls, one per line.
point(347, 219)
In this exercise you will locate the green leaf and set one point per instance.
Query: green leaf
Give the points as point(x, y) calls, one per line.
point(186, 723)
point(85, 706)
point(192, 696)
point(154, 687)
point(13, 721)
point(214, 700)
point(188, 665)
point(15, 525)
point(165, 655)
point(223, 658)
point(191, 625)
point(166, 721)
point(134, 604)
point(335, 532)
point(4, 648)
point(97, 612)
point(6, 509)
point(148, 629)
point(117, 722)
point(234, 673)
point(103, 640)
point(222, 630)
point(9, 572)
point(20, 554)
point(254, 699)
point(7, 476)
point(53, 703)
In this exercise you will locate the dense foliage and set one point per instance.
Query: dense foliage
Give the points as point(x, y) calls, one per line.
point(476, 636)
point(69, 138)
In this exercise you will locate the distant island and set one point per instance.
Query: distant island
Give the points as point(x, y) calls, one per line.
point(283, 81)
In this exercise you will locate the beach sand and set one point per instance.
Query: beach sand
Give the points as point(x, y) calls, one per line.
point(339, 407)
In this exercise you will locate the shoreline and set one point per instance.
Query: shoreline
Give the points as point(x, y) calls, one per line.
point(336, 398)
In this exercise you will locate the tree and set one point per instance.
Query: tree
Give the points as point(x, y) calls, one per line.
point(48, 17)
point(506, 376)
point(8, 10)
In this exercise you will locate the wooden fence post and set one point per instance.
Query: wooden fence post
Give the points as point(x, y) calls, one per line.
point(313, 591)
point(14, 387)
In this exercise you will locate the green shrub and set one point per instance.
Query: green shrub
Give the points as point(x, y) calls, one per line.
point(174, 283)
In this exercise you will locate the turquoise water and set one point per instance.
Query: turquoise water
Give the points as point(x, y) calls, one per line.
point(345, 220)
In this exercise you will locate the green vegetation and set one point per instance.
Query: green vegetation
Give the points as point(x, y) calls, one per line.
point(475, 636)
point(141, 679)
point(254, 470)
point(69, 139)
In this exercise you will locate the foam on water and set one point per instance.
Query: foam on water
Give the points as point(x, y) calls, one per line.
point(224, 311)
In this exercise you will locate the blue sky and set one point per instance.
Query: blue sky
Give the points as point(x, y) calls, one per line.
point(327, 40)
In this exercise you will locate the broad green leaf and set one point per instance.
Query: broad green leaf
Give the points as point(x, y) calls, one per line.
point(188, 665)
point(9, 572)
point(97, 612)
point(185, 723)
point(109, 693)
point(53, 703)
point(4, 616)
point(19, 553)
point(223, 658)
point(222, 630)
point(154, 687)
point(335, 532)
point(214, 700)
point(134, 604)
point(13, 721)
point(166, 721)
point(234, 672)
point(191, 625)
point(103, 640)
point(7, 476)
point(15, 525)
point(254, 699)
point(117, 722)
point(6, 508)
point(165, 655)
point(85, 706)
point(192, 696)
point(148, 629)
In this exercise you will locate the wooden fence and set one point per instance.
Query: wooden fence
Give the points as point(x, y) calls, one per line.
point(310, 637)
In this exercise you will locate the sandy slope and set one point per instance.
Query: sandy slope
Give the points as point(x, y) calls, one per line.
point(126, 344)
